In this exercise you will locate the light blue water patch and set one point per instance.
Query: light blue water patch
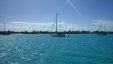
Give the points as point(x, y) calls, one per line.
point(45, 49)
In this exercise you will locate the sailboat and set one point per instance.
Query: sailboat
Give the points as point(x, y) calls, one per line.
point(56, 33)
point(102, 32)
point(5, 32)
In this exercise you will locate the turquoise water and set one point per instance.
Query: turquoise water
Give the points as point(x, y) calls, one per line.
point(44, 49)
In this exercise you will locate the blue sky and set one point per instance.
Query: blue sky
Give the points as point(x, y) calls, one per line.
point(73, 14)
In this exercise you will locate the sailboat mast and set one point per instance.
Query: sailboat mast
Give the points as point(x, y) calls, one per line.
point(56, 21)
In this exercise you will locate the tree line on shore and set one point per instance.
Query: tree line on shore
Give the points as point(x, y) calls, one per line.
point(48, 32)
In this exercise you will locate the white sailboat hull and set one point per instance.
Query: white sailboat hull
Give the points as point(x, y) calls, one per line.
point(58, 35)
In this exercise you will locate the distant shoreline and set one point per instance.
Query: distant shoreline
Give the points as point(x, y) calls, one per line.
point(47, 32)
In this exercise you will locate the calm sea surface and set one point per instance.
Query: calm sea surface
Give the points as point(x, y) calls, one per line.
point(45, 49)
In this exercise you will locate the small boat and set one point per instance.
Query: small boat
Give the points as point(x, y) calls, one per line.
point(101, 32)
point(56, 33)
point(5, 32)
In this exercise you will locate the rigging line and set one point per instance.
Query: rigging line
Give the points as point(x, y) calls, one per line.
point(53, 25)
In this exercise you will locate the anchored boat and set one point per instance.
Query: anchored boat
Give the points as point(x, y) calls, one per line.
point(56, 33)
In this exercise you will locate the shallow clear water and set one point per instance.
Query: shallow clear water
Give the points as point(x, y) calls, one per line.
point(45, 49)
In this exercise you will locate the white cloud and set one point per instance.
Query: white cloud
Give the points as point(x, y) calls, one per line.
point(103, 22)
point(107, 24)
point(62, 26)
point(22, 26)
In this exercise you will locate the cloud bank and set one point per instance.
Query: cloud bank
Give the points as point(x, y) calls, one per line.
point(62, 26)
point(107, 24)
point(22, 26)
